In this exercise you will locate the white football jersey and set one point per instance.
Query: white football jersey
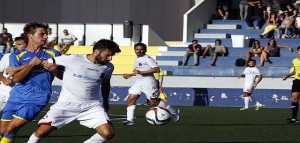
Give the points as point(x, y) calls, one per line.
point(82, 79)
point(250, 74)
point(144, 63)
point(4, 63)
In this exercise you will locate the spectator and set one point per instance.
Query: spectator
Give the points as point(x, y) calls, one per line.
point(67, 40)
point(268, 4)
point(297, 27)
point(255, 51)
point(283, 4)
point(286, 25)
point(271, 50)
point(6, 40)
point(292, 12)
point(243, 9)
point(52, 39)
point(256, 12)
point(215, 51)
point(271, 26)
point(223, 8)
point(193, 49)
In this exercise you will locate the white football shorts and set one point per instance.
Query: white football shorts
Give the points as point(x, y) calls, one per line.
point(146, 86)
point(90, 114)
point(3, 101)
point(248, 88)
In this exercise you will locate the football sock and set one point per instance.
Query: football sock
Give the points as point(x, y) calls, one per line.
point(34, 139)
point(162, 104)
point(295, 107)
point(246, 101)
point(130, 112)
point(171, 109)
point(96, 138)
point(8, 138)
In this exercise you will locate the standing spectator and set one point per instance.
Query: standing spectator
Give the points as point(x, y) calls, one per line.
point(256, 12)
point(268, 4)
point(223, 8)
point(67, 40)
point(144, 68)
point(33, 89)
point(252, 77)
point(295, 88)
point(7, 83)
point(193, 49)
point(272, 49)
point(215, 51)
point(6, 40)
point(79, 98)
point(255, 51)
point(244, 4)
point(52, 39)
point(272, 25)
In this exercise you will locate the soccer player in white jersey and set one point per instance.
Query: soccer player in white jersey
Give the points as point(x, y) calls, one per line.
point(7, 83)
point(86, 77)
point(144, 68)
point(252, 78)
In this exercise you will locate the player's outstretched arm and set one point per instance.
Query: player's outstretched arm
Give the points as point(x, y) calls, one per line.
point(53, 68)
point(151, 71)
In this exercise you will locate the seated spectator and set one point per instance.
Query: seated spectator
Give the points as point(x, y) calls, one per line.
point(6, 40)
point(215, 51)
point(285, 26)
point(283, 4)
point(271, 50)
point(296, 27)
point(193, 49)
point(256, 12)
point(223, 8)
point(67, 40)
point(255, 51)
point(272, 25)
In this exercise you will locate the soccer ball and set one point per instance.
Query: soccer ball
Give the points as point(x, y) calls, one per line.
point(158, 116)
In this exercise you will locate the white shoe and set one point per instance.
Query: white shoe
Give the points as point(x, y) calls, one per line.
point(176, 116)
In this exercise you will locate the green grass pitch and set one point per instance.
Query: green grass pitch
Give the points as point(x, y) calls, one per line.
point(197, 124)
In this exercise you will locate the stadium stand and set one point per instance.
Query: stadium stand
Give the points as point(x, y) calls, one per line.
point(170, 58)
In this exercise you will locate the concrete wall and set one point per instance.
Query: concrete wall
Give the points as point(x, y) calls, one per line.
point(165, 17)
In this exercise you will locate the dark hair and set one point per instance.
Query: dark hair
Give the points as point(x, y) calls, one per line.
point(253, 61)
point(274, 43)
point(253, 45)
point(31, 27)
point(219, 41)
point(20, 38)
point(195, 41)
point(107, 44)
point(140, 44)
point(298, 48)
point(4, 29)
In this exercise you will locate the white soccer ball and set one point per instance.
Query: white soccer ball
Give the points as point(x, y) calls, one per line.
point(158, 116)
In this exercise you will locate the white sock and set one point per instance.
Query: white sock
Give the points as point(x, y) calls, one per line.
point(246, 101)
point(130, 112)
point(171, 109)
point(96, 138)
point(162, 104)
point(34, 139)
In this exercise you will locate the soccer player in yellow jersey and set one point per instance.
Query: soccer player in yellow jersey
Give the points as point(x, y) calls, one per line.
point(295, 88)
